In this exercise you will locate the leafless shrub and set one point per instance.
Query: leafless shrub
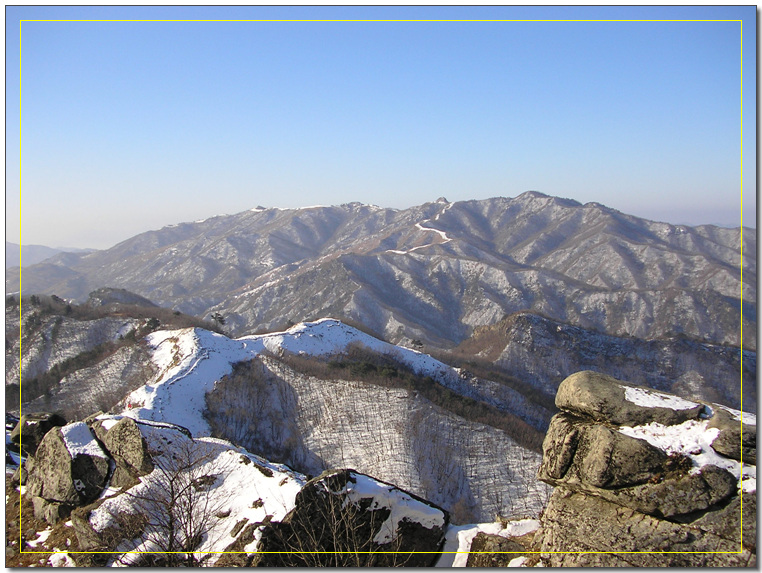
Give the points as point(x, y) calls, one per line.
point(174, 511)
point(328, 530)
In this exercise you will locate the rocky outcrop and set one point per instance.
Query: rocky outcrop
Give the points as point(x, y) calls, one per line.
point(605, 399)
point(637, 483)
point(129, 450)
point(73, 464)
point(488, 550)
point(737, 440)
point(359, 521)
point(68, 469)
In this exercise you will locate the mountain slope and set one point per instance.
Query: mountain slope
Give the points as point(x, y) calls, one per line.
point(435, 431)
point(436, 271)
point(542, 352)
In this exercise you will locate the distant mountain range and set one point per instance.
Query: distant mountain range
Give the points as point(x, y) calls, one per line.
point(434, 272)
point(25, 255)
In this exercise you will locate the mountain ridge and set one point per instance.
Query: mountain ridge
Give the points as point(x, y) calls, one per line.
point(435, 271)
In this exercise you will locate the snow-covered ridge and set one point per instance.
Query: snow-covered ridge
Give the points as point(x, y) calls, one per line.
point(191, 361)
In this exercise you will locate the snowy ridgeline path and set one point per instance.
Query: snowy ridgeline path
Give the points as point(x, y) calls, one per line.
point(190, 361)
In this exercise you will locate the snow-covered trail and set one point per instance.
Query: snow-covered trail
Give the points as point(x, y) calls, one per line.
point(420, 226)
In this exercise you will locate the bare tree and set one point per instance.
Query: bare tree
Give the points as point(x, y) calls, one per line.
point(175, 510)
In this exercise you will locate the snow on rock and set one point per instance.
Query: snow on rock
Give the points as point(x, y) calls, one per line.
point(79, 440)
point(738, 415)
point(653, 399)
point(246, 487)
point(458, 538)
point(400, 504)
point(693, 439)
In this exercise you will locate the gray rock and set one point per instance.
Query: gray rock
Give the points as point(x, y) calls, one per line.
point(676, 496)
point(735, 438)
point(127, 446)
point(20, 475)
point(50, 511)
point(582, 530)
point(591, 458)
point(234, 555)
point(356, 531)
point(58, 477)
point(31, 428)
point(737, 521)
point(87, 537)
point(602, 398)
point(576, 450)
point(493, 551)
point(98, 545)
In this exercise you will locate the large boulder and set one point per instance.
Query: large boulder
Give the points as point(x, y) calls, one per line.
point(127, 446)
point(606, 399)
point(31, 428)
point(583, 456)
point(580, 451)
point(682, 494)
point(98, 546)
point(69, 468)
point(343, 518)
point(737, 436)
point(638, 483)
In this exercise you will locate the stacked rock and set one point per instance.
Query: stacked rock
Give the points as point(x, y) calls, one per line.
point(646, 478)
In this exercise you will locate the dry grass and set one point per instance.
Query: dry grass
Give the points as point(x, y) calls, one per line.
point(21, 526)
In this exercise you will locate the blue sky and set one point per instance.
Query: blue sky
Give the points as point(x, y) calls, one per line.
point(129, 126)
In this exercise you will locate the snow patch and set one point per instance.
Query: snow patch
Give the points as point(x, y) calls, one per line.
point(693, 439)
point(402, 506)
point(652, 399)
point(458, 538)
point(42, 536)
point(61, 559)
point(739, 416)
point(79, 440)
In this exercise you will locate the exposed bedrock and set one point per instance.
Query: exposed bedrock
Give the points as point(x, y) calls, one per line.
point(646, 478)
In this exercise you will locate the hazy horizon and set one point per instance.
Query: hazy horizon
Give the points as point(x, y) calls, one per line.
point(116, 128)
point(72, 248)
